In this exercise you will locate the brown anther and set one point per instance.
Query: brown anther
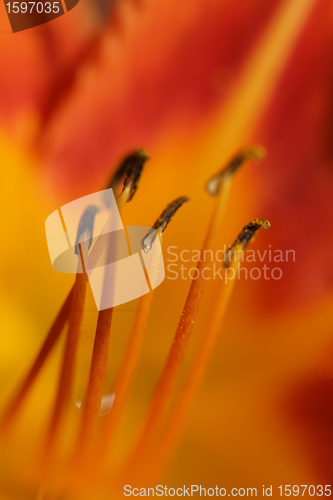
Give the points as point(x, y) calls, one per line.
point(162, 222)
point(244, 238)
point(214, 184)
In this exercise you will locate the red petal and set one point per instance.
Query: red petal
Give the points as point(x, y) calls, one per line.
point(165, 72)
point(298, 176)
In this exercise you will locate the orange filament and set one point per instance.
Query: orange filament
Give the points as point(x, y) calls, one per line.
point(185, 399)
point(67, 371)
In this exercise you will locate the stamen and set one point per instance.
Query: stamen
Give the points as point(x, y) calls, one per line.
point(92, 401)
point(84, 237)
point(125, 166)
point(133, 350)
point(244, 239)
point(188, 393)
point(134, 168)
point(162, 222)
point(86, 224)
point(214, 184)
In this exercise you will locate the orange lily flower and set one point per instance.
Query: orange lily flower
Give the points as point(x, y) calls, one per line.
point(194, 82)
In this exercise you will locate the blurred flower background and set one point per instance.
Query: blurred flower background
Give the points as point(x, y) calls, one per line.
point(192, 82)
